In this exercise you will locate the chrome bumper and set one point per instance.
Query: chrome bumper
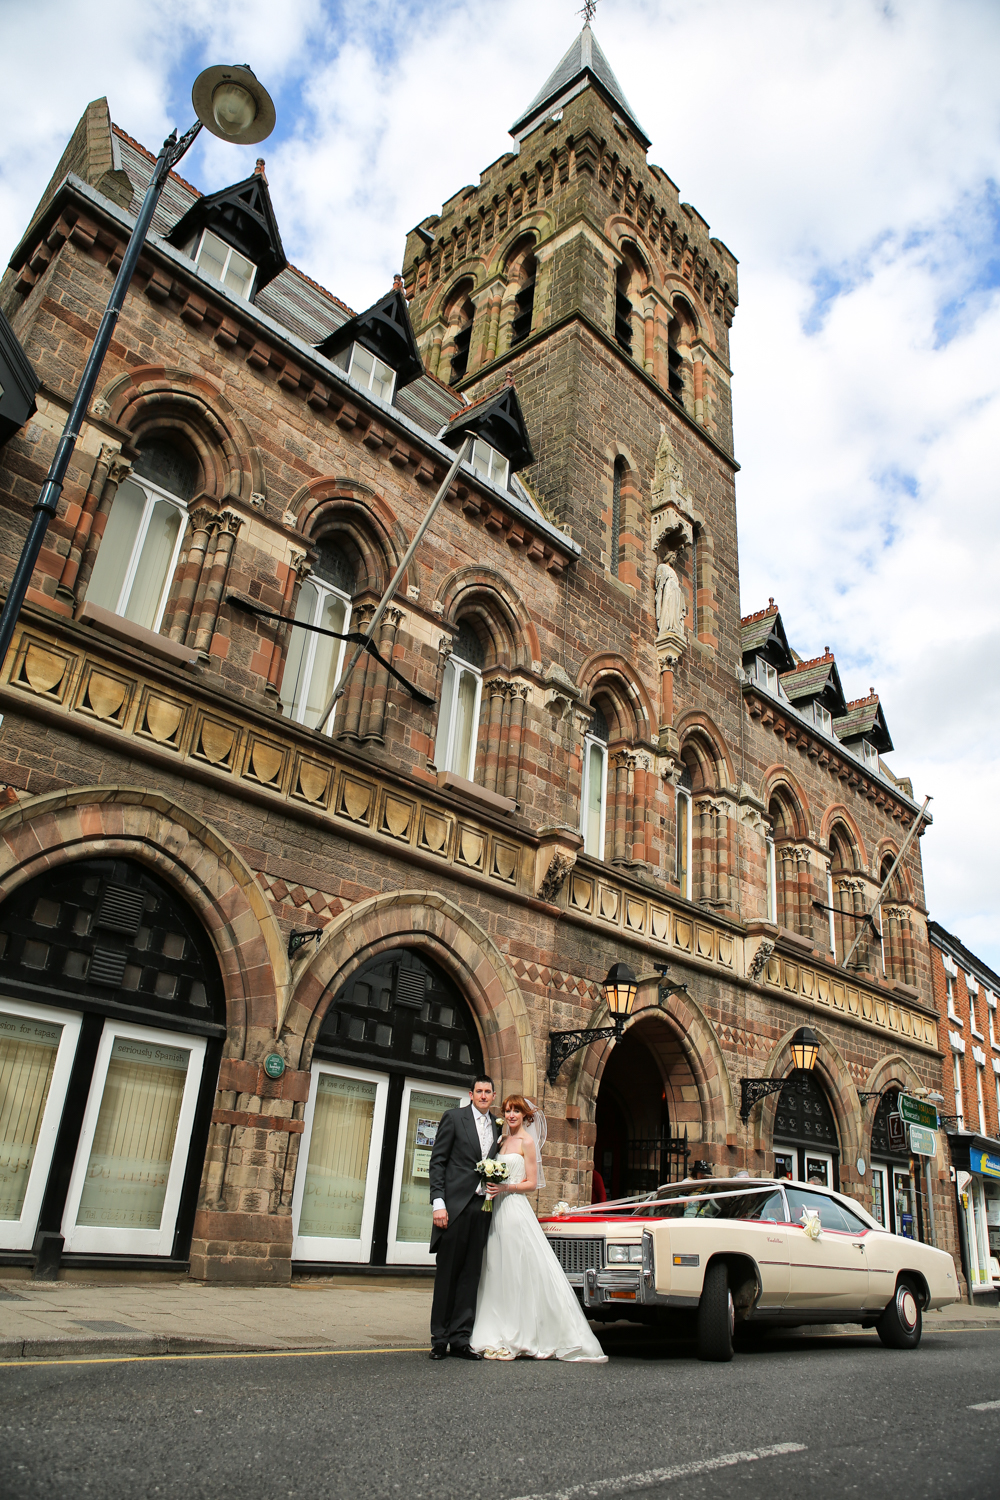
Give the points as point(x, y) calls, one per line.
point(612, 1284)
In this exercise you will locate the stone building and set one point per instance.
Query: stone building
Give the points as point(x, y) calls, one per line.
point(250, 951)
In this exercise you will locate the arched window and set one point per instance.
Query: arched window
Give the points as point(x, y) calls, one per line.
point(523, 269)
point(806, 1146)
point(616, 512)
point(315, 662)
point(845, 891)
point(681, 332)
point(461, 315)
point(461, 695)
point(791, 880)
point(623, 308)
point(897, 938)
point(594, 801)
point(142, 538)
point(684, 832)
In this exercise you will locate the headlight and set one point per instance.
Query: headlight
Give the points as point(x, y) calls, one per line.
point(619, 1255)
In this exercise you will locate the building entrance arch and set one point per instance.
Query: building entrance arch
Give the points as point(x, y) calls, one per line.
point(647, 1110)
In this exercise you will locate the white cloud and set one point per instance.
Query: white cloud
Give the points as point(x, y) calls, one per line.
point(845, 150)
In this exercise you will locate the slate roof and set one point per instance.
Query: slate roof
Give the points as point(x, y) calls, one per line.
point(583, 63)
point(864, 719)
point(292, 299)
point(815, 679)
point(18, 383)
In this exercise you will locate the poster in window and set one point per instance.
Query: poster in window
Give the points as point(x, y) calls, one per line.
point(426, 1134)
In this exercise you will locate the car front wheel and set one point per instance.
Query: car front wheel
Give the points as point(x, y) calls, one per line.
point(901, 1324)
point(716, 1314)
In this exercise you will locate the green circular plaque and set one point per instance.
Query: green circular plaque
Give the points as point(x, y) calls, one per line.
point(274, 1065)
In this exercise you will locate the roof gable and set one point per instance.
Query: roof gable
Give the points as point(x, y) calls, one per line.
point(18, 383)
point(584, 63)
point(241, 215)
point(499, 421)
point(763, 634)
point(386, 331)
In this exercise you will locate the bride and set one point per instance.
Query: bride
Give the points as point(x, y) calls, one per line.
point(526, 1306)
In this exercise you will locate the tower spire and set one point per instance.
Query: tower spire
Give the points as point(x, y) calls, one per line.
point(583, 66)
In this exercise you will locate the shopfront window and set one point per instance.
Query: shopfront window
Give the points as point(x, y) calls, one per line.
point(82, 948)
point(805, 1133)
point(396, 1048)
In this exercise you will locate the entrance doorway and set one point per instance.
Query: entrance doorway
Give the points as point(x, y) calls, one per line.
point(806, 1147)
point(397, 1048)
point(112, 1020)
point(647, 1092)
point(893, 1187)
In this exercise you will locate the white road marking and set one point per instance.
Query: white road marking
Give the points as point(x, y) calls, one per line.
point(650, 1477)
point(985, 1406)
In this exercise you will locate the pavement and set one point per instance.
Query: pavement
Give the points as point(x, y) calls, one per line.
point(99, 1319)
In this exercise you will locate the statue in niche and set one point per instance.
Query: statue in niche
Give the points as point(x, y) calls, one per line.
point(671, 606)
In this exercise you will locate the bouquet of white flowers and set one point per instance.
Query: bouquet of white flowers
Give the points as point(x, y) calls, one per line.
point(491, 1170)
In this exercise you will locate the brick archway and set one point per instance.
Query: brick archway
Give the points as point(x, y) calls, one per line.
point(437, 927)
point(835, 1077)
point(98, 822)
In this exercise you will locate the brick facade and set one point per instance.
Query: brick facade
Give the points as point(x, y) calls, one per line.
point(179, 751)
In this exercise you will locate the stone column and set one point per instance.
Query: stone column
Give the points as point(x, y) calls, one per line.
point(515, 739)
point(378, 680)
point(298, 569)
point(203, 522)
point(348, 720)
point(109, 471)
point(623, 764)
point(118, 470)
point(229, 526)
point(496, 690)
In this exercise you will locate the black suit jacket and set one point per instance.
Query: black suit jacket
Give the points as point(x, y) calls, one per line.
point(453, 1174)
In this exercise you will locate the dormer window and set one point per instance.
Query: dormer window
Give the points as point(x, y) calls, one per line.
point(822, 718)
point(368, 371)
point(767, 675)
point(224, 264)
point(488, 462)
point(870, 755)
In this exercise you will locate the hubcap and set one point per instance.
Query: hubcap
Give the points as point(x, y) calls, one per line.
point(906, 1306)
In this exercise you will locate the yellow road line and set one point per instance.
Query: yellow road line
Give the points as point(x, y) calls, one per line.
point(150, 1359)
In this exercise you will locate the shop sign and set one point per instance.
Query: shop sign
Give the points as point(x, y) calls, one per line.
point(986, 1163)
point(916, 1112)
point(922, 1142)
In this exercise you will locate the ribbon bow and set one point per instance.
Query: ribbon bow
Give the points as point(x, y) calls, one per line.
point(811, 1223)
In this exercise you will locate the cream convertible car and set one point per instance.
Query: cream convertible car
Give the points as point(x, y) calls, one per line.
point(745, 1254)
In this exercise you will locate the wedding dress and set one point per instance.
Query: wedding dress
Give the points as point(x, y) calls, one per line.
point(526, 1306)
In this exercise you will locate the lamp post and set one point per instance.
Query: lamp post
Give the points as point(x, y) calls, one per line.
point(805, 1050)
point(232, 105)
point(619, 994)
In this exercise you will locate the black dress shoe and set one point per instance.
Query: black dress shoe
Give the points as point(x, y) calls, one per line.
point(464, 1351)
point(439, 1351)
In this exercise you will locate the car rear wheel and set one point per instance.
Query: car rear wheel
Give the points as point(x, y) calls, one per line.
point(901, 1324)
point(716, 1314)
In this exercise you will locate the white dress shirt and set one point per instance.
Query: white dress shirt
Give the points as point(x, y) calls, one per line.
point(485, 1131)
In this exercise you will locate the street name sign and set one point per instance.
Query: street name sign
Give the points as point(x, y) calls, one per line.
point(916, 1112)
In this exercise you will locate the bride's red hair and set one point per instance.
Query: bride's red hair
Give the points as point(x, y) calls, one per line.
point(518, 1101)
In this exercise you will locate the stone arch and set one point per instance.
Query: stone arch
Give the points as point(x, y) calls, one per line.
point(458, 310)
point(539, 225)
point(778, 785)
point(674, 288)
point(194, 858)
point(893, 1068)
point(688, 1025)
point(609, 675)
point(365, 525)
point(151, 400)
point(436, 926)
point(835, 1076)
point(884, 856)
point(500, 614)
point(839, 814)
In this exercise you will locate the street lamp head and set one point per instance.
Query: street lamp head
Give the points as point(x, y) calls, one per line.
point(619, 990)
point(233, 105)
point(805, 1049)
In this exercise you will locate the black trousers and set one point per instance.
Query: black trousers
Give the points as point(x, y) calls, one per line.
point(456, 1281)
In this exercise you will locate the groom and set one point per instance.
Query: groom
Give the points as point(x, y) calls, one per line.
point(464, 1137)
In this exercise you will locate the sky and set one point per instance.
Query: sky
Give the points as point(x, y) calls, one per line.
point(848, 153)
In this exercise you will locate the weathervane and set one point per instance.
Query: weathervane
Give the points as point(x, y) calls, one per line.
point(589, 8)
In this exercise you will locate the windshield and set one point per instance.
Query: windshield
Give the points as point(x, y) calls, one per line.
point(715, 1200)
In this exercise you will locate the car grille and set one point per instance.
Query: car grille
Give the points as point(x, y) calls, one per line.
point(576, 1256)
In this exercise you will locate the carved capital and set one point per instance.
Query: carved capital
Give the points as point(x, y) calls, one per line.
point(230, 522)
point(759, 961)
point(555, 876)
point(119, 468)
point(670, 647)
point(202, 518)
